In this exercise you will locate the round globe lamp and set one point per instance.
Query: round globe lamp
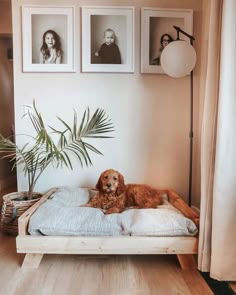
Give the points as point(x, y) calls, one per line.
point(178, 59)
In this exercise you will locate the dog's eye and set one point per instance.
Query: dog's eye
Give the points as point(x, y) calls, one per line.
point(106, 177)
point(115, 178)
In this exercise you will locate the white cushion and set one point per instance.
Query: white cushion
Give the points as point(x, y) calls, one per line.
point(62, 215)
point(157, 222)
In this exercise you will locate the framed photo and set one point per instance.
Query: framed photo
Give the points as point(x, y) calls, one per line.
point(107, 39)
point(157, 31)
point(48, 38)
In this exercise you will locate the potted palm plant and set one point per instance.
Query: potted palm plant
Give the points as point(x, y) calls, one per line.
point(41, 150)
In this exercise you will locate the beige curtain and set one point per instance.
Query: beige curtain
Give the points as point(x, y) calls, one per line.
point(217, 239)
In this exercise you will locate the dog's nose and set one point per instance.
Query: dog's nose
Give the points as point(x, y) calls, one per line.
point(109, 185)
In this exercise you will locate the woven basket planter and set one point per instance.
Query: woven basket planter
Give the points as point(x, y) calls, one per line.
point(14, 205)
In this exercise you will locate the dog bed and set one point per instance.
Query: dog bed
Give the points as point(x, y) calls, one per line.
point(57, 224)
point(61, 215)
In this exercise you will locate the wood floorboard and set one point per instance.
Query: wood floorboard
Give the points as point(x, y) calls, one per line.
point(96, 275)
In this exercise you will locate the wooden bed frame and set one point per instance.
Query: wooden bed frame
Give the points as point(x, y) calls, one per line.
point(36, 246)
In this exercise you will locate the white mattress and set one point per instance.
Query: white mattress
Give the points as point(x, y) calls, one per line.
point(62, 215)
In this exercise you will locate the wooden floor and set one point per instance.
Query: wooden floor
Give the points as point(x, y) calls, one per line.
point(96, 275)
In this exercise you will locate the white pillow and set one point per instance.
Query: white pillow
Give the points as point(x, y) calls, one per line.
point(62, 215)
point(157, 222)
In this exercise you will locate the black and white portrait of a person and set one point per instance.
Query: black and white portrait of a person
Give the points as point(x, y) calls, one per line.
point(161, 34)
point(49, 39)
point(108, 39)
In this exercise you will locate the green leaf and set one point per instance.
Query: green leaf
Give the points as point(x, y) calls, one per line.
point(92, 148)
point(35, 158)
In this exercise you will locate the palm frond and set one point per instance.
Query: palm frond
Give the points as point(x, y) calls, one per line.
point(92, 148)
point(67, 126)
point(81, 127)
point(75, 125)
point(98, 124)
point(36, 155)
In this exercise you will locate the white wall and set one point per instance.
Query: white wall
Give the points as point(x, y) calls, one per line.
point(150, 112)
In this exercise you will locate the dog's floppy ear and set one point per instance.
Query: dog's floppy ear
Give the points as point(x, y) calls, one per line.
point(121, 185)
point(99, 184)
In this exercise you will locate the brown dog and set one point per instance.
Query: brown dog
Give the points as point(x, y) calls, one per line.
point(114, 196)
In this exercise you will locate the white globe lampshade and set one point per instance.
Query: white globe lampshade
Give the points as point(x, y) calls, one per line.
point(178, 59)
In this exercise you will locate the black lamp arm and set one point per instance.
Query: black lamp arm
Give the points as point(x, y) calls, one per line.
point(183, 32)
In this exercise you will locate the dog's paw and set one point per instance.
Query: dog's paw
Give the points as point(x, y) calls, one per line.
point(113, 210)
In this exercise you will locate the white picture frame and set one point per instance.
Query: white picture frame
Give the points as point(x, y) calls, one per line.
point(155, 23)
point(37, 21)
point(95, 21)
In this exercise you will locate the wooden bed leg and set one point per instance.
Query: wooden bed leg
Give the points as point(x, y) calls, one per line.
point(32, 260)
point(187, 261)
